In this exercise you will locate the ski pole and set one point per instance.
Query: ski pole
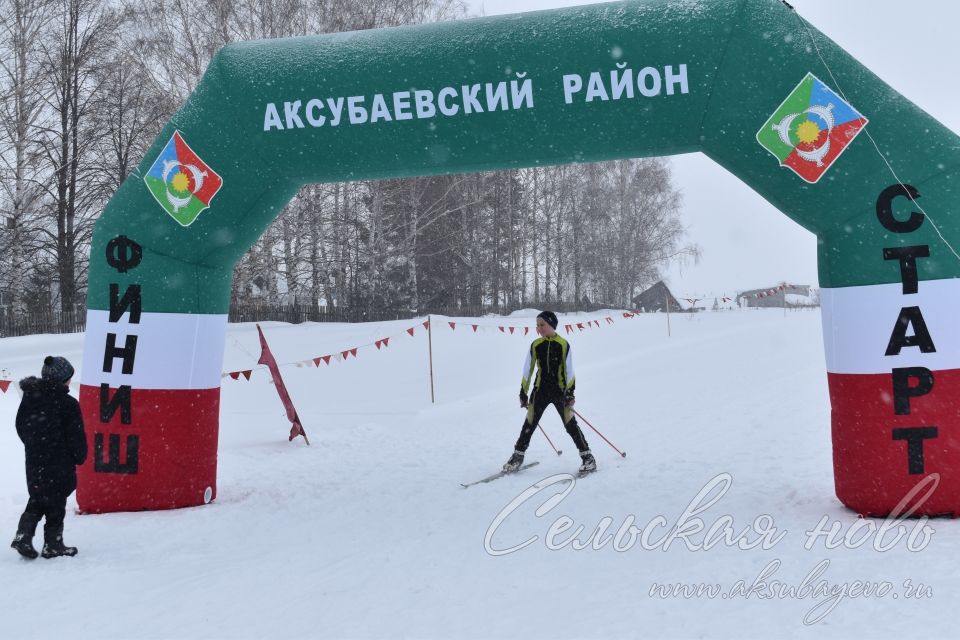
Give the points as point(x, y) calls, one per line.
point(548, 439)
point(623, 454)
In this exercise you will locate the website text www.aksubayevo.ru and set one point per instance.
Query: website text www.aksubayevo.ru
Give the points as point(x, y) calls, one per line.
point(826, 595)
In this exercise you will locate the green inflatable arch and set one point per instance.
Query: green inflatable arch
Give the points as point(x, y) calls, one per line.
point(746, 82)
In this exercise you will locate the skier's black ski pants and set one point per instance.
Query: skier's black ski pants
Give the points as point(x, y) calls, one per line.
point(540, 399)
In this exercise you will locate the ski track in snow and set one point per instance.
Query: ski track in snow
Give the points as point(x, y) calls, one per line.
point(368, 533)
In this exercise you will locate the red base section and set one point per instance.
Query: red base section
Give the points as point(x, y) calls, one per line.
point(872, 469)
point(166, 458)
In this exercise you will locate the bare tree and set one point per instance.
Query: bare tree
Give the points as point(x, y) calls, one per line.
point(21, 104)
point(132, 109)
point(78, 35)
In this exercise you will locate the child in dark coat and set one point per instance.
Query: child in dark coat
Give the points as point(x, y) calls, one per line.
point(51, 427)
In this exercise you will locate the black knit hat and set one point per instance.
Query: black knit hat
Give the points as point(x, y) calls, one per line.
point(549, 317)
point(56, 369)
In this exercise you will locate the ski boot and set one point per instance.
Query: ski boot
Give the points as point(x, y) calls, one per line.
point(514, 462)
point(589, 462)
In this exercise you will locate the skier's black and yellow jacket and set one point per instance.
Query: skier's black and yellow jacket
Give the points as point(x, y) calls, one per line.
point(554, 362)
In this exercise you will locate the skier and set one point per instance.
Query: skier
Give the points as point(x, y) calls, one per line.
point(51, 427)
point(554, 386)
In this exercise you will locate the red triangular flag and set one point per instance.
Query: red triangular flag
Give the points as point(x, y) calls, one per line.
point(568, 328)
point(378, 343)
point(386, 342)
point(526, 330)
point(233, 374)
point(345, 354)
point(4, 385)
point(426, 324)
point(316, 362)
point(596, 322)
point(326, 359)
point(474, 328)
point(609, 320)
point(411, 330)
point(580, 326)
point(511, 330)
point(246, 374)
point(354, 352)
point(501, 330)
point(627, 315)
point(453, 325)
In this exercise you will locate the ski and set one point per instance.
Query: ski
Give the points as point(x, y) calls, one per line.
point(499, 474)
point(579, 475)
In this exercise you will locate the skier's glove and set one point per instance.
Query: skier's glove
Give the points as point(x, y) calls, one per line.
point(568, 398)
point(524, 400)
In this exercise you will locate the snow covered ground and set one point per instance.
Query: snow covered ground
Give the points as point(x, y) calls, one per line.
point(368, 533)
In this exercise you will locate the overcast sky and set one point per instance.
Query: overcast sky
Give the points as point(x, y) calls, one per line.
point(913, 46)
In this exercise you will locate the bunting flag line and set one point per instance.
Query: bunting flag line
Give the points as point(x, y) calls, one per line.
point(379, 344)
point(385, 342)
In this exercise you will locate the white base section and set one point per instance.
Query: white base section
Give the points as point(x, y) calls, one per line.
point(858, 323)
point(174, 350)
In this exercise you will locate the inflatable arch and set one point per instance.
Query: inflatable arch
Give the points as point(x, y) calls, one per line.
point(747, 82)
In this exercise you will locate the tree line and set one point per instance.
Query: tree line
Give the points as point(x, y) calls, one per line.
point(86, 85)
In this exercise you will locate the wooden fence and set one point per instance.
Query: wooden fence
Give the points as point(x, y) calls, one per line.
point(24, 324)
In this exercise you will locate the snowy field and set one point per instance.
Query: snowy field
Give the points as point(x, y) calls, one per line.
point(368, 534)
